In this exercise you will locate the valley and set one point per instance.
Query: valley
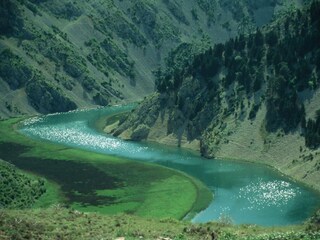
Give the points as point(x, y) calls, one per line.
point(161, 120)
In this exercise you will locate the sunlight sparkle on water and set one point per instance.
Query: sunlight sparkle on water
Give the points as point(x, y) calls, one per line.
point(268, 193)
point(69, 133)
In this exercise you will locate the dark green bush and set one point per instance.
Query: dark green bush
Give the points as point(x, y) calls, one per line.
point(11, 22)
point(74, 67)
point(47, 98)
point(100, 99)
point(312, 132)
point(14, 70)
point(17, 189)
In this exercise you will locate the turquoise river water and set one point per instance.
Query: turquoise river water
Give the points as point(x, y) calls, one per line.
point(243, 192)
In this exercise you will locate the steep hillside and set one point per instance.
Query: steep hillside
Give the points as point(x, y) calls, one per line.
point(254, 98)
point(61, 55)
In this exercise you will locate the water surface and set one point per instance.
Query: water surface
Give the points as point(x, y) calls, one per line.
point(243, 192)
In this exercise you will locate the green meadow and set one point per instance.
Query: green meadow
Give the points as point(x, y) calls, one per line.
point(93, 182)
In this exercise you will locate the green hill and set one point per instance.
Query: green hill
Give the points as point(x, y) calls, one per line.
point(61, 55)
point(254, 98)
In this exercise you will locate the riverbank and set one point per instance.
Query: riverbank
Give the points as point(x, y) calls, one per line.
point(89, 181)
point(245, 140)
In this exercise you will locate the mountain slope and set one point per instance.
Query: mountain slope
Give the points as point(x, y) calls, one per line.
point(104, 52)
point(255, 98)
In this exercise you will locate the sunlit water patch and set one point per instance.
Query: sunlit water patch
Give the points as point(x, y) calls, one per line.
point(243, 192)
point(262, 194)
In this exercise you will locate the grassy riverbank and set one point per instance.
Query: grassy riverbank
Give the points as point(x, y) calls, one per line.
point(88, 181)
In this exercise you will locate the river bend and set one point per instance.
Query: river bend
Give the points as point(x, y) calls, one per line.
point(243, 192)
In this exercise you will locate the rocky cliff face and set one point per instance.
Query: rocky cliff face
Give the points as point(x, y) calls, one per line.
point(61, 55)
point(256, 98)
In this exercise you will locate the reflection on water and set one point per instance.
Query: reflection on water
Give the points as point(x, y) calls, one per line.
point(243, 192)
point(273, 193)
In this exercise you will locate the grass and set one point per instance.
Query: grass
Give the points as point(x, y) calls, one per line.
point(61, 223)
point(104, 121)
point(151, 201)
point(93, 182)
point(203, 197)
point(50, 197)
point(159, 201)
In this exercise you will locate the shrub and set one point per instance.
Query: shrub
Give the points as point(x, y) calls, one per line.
point(46, 98)
point(14, 70)
point(18, 190)
point(140, 133)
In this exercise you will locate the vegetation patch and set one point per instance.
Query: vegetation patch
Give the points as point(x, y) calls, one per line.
point(18, 190)
point(47, 98)
point(313, 132)
point(11, 21)
point(14, 70)
point(107, 54)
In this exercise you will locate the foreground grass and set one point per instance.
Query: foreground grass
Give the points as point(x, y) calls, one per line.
point(93, 182)
point(61, 223)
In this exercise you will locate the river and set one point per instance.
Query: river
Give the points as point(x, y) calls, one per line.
point(243, 192)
